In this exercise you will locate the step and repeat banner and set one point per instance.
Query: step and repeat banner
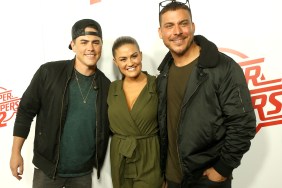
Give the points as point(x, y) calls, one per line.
point(36, 31)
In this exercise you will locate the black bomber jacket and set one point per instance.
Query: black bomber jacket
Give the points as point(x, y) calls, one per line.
point(217, 120)
point(46, 98)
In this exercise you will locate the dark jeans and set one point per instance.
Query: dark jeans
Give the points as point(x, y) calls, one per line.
point(203, 182)
point(40, 180)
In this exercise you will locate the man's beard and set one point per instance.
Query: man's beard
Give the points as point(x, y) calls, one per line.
point(181, 53)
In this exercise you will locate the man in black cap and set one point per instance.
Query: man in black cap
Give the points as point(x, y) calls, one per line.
point(68, 99)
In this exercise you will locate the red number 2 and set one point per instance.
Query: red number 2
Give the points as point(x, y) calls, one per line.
point(2, 118)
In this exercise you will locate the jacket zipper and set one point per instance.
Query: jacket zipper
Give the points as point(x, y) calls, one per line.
point(96, 155)
point(177, 145)
point(60, 130)
point(178, 125)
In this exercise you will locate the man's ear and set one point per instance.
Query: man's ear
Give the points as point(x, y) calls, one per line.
point(160, 33)
point(193, 27)
point(73, 46)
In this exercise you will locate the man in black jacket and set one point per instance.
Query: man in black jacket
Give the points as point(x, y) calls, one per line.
point(205, 112)
point(68, 99)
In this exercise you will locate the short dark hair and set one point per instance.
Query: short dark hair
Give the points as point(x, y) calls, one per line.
point(174, 5)
point(120, 41)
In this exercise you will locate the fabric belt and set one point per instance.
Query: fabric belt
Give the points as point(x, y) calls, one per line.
point(129, 143)
point(127, 148)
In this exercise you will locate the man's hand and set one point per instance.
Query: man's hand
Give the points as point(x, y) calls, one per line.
point(16, 161)
point(17, 165)
point(213, 175)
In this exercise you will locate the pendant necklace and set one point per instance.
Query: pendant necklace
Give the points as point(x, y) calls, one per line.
point(84, 98)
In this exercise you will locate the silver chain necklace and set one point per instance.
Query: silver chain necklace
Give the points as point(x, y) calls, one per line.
point(84, 98)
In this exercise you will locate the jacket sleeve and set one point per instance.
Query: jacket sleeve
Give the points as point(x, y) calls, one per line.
point(29, 106)
point(240, 120)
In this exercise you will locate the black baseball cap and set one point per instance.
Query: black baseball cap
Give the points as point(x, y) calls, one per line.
point(78, 29)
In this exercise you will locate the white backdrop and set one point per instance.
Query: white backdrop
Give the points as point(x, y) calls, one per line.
point(36, 31)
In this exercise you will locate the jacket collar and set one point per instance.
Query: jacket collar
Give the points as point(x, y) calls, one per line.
point(209, 54)
point(70, 67)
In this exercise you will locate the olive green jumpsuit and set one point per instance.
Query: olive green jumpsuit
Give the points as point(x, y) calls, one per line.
point(134, 150)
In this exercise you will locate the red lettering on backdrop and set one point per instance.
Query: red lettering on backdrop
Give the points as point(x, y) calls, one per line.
point(8, 106)
point(266, 94)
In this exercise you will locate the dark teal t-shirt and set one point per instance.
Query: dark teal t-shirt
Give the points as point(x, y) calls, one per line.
point(77, 146)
